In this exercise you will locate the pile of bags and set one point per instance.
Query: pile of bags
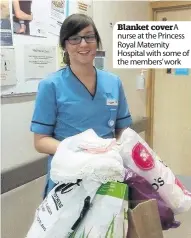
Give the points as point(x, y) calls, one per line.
point(98, 181)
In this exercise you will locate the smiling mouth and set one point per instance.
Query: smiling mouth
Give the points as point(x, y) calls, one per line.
point(84, 52)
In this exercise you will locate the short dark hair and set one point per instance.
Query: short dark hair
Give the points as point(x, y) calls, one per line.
point(71, 26)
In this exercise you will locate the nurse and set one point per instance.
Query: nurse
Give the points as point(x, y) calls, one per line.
point(79, 96)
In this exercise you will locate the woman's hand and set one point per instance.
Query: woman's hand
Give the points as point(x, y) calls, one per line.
point(118, 133)
point(45, 144)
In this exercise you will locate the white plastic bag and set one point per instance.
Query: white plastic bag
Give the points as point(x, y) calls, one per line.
point(138, 156)
point(62, 210)
point(108, 214)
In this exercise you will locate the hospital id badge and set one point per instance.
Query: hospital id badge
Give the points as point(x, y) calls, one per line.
point(112, 102)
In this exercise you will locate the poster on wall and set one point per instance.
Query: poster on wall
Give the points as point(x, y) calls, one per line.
point(5, 21)
point(8, 72)
point(29, 17)
point(58, 15)
point(81, 6)
point(39, 61)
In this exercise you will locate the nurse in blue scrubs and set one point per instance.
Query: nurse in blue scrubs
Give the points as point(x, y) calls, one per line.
point(79, 96)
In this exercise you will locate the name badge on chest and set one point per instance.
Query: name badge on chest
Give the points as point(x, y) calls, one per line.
point(112, 102)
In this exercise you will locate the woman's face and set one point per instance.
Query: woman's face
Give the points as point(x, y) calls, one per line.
point(82, 50)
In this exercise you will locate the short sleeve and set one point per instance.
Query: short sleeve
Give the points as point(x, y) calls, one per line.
point(124, 118)
point(44, 116)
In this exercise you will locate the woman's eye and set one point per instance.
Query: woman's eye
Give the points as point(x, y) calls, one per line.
point(90, 37)
point(75, 38)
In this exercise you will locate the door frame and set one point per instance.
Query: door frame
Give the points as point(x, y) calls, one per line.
point(156, 6)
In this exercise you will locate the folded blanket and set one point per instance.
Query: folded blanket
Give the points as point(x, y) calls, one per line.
point(87, 156)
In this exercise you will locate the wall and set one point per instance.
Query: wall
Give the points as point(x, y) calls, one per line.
point(17, 141)
point(18, 208)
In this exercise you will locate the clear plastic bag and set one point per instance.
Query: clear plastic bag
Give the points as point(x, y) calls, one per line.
point(138, 156)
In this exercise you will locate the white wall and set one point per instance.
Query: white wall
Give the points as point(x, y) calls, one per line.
point(17, 141)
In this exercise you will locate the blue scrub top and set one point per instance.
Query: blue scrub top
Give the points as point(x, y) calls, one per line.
point(64, 107)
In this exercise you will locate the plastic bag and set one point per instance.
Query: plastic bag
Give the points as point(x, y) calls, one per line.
point(138, 156)
point(140, 190)
point(108, 214)
point(63, 209)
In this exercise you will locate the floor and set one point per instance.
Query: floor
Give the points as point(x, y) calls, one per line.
point(184, 231)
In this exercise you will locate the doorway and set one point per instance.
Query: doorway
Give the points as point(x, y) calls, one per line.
point(171, 113)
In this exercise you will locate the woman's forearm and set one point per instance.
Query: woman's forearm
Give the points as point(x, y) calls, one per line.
point(19, 13)
point(46, 144)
